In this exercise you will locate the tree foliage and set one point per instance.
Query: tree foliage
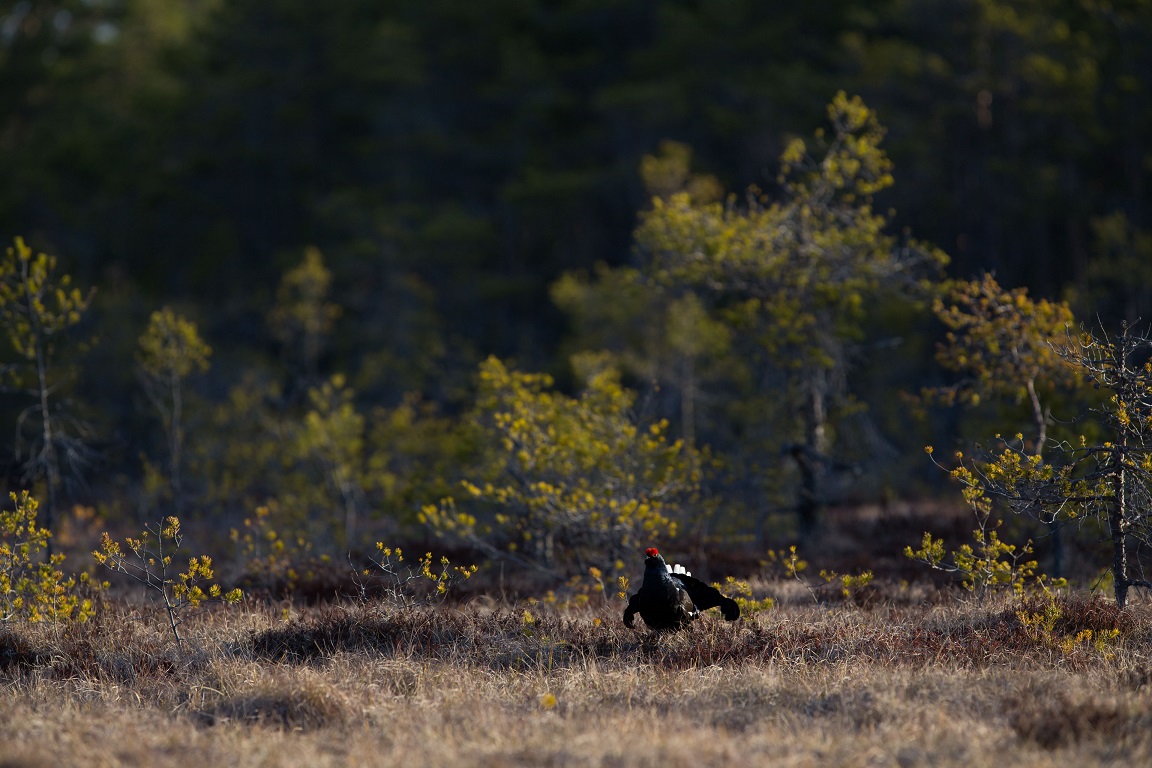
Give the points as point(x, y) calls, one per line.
point(566, 483)
point(171, 350)
point(303, 318)
point(452, 163)
point(795, 276)
point(806, 264)
point(37, 306)
point(987, 565)
point(331, 439)
point(1005, 344)
point(1109, 482)
point(31, 587)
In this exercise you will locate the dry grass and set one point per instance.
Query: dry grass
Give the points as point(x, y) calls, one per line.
point(802, 685)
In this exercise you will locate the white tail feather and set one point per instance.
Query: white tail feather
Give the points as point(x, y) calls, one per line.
point(678, 569)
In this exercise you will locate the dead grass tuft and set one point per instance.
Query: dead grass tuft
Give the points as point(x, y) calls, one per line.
point(81, 656)
point(21, 761)
point(1058, 719)
point(310, 582)
point(335, 629)
point(15, 651)
point(292, 702)
point(1095, 613)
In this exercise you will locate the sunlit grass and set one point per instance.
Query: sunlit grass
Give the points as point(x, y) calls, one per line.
point(803, 684)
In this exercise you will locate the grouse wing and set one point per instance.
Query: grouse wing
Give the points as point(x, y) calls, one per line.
point(706, 596)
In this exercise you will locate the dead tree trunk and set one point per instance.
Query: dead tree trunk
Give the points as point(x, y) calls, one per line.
point(1117, 523)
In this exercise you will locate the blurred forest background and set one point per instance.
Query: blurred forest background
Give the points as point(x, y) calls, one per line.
point(429, 265)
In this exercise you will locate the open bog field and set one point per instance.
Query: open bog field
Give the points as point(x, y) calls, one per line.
point(931, 682)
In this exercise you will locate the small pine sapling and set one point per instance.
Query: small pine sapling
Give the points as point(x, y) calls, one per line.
point(741, 592)
point(150, 563)
point(853, 587)
point(409, 585)
point(582, 592)
point(30, 587)
point(989, 565)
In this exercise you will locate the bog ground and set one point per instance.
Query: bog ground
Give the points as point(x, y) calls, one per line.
point(918, 678)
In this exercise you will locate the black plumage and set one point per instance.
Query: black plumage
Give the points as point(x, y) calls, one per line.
point(670, 599)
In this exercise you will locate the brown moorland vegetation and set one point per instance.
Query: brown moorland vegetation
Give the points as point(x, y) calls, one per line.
point(915, 679)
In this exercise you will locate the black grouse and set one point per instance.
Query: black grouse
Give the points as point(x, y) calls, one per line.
point(670, 598)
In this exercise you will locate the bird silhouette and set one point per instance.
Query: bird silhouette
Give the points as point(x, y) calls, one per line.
point(670, 598)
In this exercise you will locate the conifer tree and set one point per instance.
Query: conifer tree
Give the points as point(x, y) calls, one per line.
point(566, 483)
point(1005, 345)
point(1109, 481)
point(798, 274)
point(171, 350)
point(37, 307)
point(303, 318)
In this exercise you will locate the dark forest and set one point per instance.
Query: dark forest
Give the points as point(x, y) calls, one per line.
point(497, 273)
